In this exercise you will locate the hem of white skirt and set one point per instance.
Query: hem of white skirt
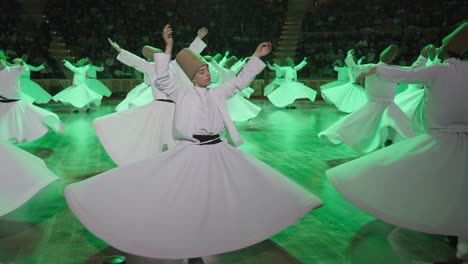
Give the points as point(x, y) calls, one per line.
point(76, 208)
point(26, 197)
point(388, 218)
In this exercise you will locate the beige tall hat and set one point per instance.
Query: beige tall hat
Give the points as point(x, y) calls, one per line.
point(389, 54)
point(2, 55)
point(189, 62)
point(230, 62)
point(149, 51)
point(457, 41)
point(217, 57)
point(82, 62)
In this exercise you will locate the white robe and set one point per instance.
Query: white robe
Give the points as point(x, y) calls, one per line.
point(193, 200)
point(345, 93)
point(419, 183)
point(94, 84)
point(239, 108)
point(143, 127)
point(78, 95)
point(23, 175)
point(291, 90)
point(31, 90)
point(21, 121)
point(367, 129)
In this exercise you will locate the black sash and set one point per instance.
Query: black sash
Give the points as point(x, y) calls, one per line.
point(208, 139)
point(7, 100)
point(165, 100)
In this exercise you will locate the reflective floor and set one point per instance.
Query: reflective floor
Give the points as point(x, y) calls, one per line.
point(45, 231)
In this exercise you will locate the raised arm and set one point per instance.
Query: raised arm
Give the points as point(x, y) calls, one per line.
point(247, 75)
point(70, 66)
point(164, 82)
point(301, 65)
point(134, 61)
point(424, 75)
point(353, 67)
point(198, 45)
point(224, 59)
point(36, 69)
point(271, 68)
point(98, 69)
point(236, 68)
point(131, 59)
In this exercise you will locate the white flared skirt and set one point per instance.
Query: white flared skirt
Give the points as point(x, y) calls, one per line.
point(410, 100)
point(189, 202)
point(98, 87)
point(79, 96)
point(289, 92)
point(241, 109)
point(22, 176)
point(22, 122)
point(138, 96)
point(366, 129)
point(137, 134)
point(34, 91)
point(347, 98)
point(419, 183)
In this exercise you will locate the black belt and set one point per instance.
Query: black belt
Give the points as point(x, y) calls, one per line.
point(208, 139)
point(165, 100)
point(7, 100)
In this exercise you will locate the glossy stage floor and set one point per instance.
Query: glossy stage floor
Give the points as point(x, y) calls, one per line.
point(45, 231)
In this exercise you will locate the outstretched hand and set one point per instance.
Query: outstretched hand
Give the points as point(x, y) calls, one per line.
point(351, 52)
point(263, 49)
point(167, 35)
point(202, 32)
point(114, 45)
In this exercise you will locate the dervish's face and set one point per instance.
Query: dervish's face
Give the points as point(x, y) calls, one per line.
point(203, 77)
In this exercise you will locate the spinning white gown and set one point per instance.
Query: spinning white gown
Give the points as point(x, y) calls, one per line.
point(367, 129)
point(21, 121)
point(342, 78)
point(419, 183)
point(146, 130)
point(193, 200)
point(23, 175)
point(291, 89)
point(140, 95)
point(411, 99)
point(240, 109)
point(78, 95)
point(345, 94)
point(94, 84)
point(31, 89)
point(277, 82)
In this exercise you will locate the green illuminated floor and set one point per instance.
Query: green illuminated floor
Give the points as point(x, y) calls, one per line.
point(45, 231)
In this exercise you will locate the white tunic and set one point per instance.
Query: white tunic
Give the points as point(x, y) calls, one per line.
point(142, 127)
point(190, 101)
point(193, 200)
point(30, 90)
point(22, 121)
point(240, 109)
point(419, 183)
point(367, 129)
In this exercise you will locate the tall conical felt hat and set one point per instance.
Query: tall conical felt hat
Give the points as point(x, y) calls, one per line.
point(230, 62)
point(2, 55)
point(81, 62)
point(17, 61)
point(189, 62)
point(218, 57)
point(290, 61)
point(149, 51)
point(457, 41)
point(389, 54)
